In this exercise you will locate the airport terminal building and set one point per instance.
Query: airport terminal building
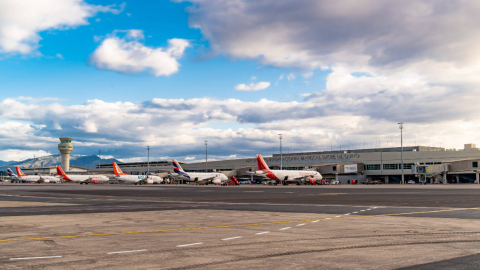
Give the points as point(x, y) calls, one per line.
point(364, 165)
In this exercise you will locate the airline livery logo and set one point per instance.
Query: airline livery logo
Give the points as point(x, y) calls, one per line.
point(178, 170)
point(10, 172)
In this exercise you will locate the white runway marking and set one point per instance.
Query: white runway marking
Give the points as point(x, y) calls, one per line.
point(126, 251)
point(355, 213)
point(338, 216)
point(315, 221)
point(347, 214)
point(327, 218)
point(286, 228)
point(190, 244)
point(231, 238)
point(262, 233)
point(369, 209)
point(33, 258)
point(301, 224)
point(362, 210)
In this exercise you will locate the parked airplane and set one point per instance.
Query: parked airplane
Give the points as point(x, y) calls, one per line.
point(82, 178)
point(215, 178)
point(135, 179)
point(35, 178)
point(285, 175)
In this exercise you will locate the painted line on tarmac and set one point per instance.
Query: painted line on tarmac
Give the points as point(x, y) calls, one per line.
point(300, 224)
point(34, 258)
point(126, 251)
point(187, 245)
point(262, 233)
point(286, 228)
point(231, 238)
point(236, 225)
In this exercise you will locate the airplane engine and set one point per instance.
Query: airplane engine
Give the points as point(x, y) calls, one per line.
point(95, 181)
point(149, 181)
point(216, 181)
point(46, 181)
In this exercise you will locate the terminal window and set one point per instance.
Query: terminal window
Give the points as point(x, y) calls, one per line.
point(371, 167)
point(66, 141)
point(390, 166)
point(475, 164)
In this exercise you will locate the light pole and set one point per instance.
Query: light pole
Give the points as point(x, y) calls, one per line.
point(401, 144)
point(280, 136)
point(34, 167)
point(148, 160)
point(99, 159)
point(206, 155)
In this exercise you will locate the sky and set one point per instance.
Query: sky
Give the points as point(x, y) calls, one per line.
point(119, 76)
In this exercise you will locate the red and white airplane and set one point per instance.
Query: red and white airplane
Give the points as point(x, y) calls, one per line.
point(35, 178)
point(135, 179)
point(82, 178)
point(286, 175)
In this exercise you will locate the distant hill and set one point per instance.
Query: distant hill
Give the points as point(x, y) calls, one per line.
point(82, 161)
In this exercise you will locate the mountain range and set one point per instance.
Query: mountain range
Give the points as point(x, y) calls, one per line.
point(53, 160)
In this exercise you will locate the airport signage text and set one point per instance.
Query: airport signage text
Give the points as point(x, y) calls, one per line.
point(309, 158)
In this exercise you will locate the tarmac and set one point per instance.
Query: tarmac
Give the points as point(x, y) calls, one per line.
point(72, 226)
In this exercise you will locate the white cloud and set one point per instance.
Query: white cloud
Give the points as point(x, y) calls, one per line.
point(307, 75)
point(252, 87)
point(290, 77)
point(21, 21)
point(128, 55)
point(59, 56)
point(253, 78)
point(189, 158)
point(18, 155)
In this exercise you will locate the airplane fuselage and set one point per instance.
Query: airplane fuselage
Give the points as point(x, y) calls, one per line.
point(140, 178)
point(38, 179)
point(287, 175)
point(86, 178)
point(215, 178)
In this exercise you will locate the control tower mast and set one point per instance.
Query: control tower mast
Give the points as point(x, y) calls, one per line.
point(65, 147)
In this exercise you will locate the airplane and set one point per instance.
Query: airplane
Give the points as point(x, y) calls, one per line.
point(35, 178)
point(285, 175)
point(135, 179)
point(82, 178)
point(215, 178)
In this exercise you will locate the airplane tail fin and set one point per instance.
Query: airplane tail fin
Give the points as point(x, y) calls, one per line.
point(117, 170)
point(60, 171)
point(177, 168)
point(10, 172)
point(19, 172)
point(262, 166)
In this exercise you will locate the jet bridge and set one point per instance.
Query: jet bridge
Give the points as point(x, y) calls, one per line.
point(435, 173)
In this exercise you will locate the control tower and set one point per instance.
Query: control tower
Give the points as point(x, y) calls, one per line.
point(65, 147)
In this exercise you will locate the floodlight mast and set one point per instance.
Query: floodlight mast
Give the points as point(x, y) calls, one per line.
point(401, 144)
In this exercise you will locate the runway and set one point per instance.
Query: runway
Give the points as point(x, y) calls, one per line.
point(242, 227)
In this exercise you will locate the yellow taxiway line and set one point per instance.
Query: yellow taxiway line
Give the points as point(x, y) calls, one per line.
point(233, 226)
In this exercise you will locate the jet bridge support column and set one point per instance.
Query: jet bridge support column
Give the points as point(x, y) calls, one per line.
point(445, 178)
point(458, 179)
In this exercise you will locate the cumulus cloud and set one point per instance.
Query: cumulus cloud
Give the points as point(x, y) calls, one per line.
point(252, 87)
point(232, 127)
point(189, 158)
point(21, 21)
point(129, 55)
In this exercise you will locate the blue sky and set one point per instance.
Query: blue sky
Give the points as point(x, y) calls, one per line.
point(119, 76)
point(75, 80)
